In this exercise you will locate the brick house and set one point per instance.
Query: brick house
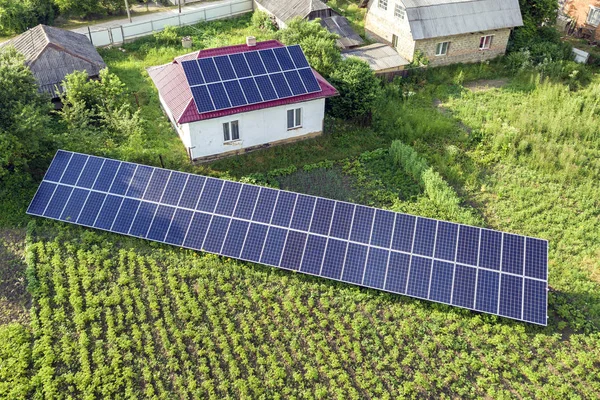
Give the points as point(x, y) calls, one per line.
point(445, 31)
point(585, 15)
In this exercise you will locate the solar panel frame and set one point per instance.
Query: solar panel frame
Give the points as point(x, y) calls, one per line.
point(383, 268)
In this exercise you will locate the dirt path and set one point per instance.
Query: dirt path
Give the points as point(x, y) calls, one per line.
point(14, 298)
point(483, 85)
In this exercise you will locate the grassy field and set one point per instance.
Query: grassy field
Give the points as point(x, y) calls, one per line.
point(116, 317)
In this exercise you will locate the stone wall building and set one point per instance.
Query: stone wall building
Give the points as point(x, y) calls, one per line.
point(585, 15)
point(444, 31)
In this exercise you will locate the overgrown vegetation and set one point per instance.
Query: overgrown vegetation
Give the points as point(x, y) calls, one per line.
point(120, 317)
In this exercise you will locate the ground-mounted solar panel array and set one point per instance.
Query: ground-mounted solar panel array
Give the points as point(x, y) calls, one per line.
point(251, 77)
point(470, 267)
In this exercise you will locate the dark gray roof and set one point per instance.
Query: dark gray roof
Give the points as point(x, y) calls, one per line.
point(380, 57)
point(341, 27)
point(288, 9)
point(53, 53)
point(437, 18)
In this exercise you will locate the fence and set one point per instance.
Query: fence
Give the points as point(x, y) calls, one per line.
point(122, 33)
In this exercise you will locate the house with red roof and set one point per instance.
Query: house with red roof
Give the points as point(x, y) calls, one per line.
point(231, 100)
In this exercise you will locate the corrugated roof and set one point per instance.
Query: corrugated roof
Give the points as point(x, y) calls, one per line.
point(438, 18)
point(341, 27)
point(35, 45)
point(288, 9)
point(173, 87)
point(380, 57)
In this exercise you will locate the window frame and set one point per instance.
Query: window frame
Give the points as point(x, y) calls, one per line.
point(382, 4)
point(297, 118)
point(399, 7)
point(231, 131)
point(484, 43)
point(440, 46)
point(594, 11)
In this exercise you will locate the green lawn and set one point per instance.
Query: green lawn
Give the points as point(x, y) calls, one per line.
point(117, 317)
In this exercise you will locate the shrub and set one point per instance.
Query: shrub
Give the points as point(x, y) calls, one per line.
point(262, 20)
point(167, 36)
point(358, 88)
point(17, 16)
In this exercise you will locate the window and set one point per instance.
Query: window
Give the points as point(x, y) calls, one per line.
point(593, 17)
point(394, 41)
point(442, 48)
point(231, 131)
point(382, 4)
point(486, 42)
point(399, 11)
point(294, 118)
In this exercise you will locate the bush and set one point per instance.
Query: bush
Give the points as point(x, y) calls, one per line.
point(167, 36)
point(358, 88)
point(17, 16)
point(262, 20)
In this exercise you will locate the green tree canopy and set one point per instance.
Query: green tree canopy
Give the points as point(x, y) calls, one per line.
point(317, 43)
point(24, 114)
point(358, 88)
point(17, 16)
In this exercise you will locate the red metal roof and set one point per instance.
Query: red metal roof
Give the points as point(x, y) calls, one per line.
point(173, 87)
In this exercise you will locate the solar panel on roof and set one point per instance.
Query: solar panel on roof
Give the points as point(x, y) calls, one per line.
point(234, 80)
point(464, 266)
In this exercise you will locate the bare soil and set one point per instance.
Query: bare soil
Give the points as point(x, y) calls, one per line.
point(14, 298)
point(483, 85)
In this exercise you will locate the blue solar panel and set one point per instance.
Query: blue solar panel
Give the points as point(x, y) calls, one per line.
point(283, 56)
point(240, 65)
point(269, 60)
point(251, 90)
point(219, 96)
point(310, 82)
point(295, 82)
point(71, 175)
point(192, 72)
point(235, 92)
point(209, 70)
point(225, 68)
point(202, 99)
point(297, 56)
point(252, 77)
point(474, 268)
point(265, 86)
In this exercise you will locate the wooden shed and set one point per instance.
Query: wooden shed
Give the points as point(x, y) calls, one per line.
point(53, 53)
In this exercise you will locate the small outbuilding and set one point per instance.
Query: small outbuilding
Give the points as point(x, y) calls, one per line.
point(383, 59)
point(444, 31)
point(235, 99)
point(53, 53)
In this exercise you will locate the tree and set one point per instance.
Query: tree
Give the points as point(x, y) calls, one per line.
point(97, 113)
point(17, 16)
point(24, 115)
point(537, 15)
point(318, 44)
point(86, 8)
point(358, 88)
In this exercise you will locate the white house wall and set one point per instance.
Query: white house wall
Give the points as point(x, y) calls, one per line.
point(260, 127)
point(382, 24)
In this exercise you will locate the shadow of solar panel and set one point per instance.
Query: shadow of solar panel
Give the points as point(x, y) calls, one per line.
point(192, 72)
point(469, 267)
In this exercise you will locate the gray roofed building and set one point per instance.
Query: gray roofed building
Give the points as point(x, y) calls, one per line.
point(445, 31)
point(341, 27)
point(382, 58)
point(284, 10)
point(53, 53)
